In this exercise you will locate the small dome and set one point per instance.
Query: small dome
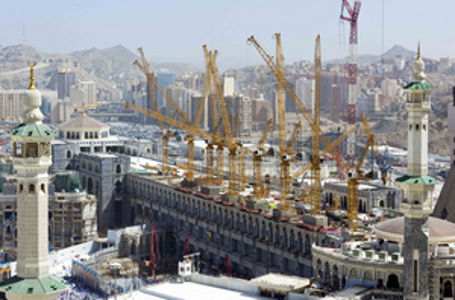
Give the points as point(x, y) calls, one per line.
point(32, 103)
point(440, 231)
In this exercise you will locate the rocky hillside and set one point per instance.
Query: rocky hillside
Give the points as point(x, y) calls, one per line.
point(107, 67)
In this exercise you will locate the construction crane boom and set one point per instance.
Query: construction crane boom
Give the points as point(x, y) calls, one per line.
point(297, 101)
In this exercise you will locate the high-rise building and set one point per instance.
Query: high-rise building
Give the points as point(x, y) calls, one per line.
point(83, 93)
point(31, 159)
point(165, 80)
point(65, 80)
point(417, 205)
point(229, 86)
point(11, 105)
point(304, 88)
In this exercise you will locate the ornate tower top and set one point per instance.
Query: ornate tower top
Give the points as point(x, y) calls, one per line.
point(32, 116)
point(32, 76)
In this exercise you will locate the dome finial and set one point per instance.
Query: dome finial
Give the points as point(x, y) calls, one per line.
point(418, 50)
point(32, 76)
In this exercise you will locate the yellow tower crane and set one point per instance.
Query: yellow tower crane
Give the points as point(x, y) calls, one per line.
point(315, 160)
point(257, 162)
point(185, 120)
point(297, 101)
point(354, 181)
point(285, 165)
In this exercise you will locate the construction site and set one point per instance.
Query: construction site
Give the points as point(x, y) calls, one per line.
point(309, 205)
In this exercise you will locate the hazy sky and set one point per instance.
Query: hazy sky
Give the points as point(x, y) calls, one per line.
point(171, 30)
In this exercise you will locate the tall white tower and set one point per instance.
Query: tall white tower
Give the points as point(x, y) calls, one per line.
point(418, 186)
point(31, 160)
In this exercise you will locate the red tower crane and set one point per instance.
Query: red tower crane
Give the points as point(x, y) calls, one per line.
point(153, 244)
point(228, 265)
point(186, 249)
point(351, 17)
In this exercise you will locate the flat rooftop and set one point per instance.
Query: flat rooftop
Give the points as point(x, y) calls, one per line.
point(189, 291)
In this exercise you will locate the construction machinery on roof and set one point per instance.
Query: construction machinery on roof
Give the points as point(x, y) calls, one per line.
point(296, 100)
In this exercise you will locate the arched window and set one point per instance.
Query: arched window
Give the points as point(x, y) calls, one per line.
point(43, 187)
point(68, 154)
point(31, 188)
point(67, 134)
point(417, 126)
point(90, 186)
point(21, 187)
point(447, 289)
point(118, 169)
point(392, 281)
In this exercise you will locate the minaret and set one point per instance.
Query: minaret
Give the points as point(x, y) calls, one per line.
point(31, 160)
point(418, 186)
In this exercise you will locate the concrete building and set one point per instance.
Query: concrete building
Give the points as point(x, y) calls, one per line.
point(61, 110)
point(409, 257)
point(304, 88)
point(103, 175)
point(31, 160)
point(65, 80)
point(72, 212)
point(228, 86)
point(165, 80)
point(11, 105)
point(370, 196)
point(261, 113)
point(83, 93)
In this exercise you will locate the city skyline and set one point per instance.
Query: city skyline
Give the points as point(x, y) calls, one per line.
point(165, 29)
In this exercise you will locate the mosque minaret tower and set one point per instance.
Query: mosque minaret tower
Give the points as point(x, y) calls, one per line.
point(32, 159)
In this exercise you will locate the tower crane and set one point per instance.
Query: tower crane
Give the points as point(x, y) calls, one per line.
point(257, 162)
point(353, 181)
point(151, 80)
point(300, 171)
point(228, 136)
point(190, 136)
point(351, 17)
point(286, 158)
point(297, 101)
point(315, 160)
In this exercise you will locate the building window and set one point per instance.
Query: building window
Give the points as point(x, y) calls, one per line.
point(31, 188)
point(68, 154)
point(118, 169)
point(43, 187)
point(410, 126)
point(21, 188)
point(424, 127)
point(415, 275)
point(417, 126)
point(67, 134)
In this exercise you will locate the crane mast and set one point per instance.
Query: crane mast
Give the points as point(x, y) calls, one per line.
point(315, 166)
point(353, 14)
point(297, 101)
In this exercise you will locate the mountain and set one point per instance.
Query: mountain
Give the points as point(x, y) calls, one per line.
point(108, 67)
point(396, 50)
